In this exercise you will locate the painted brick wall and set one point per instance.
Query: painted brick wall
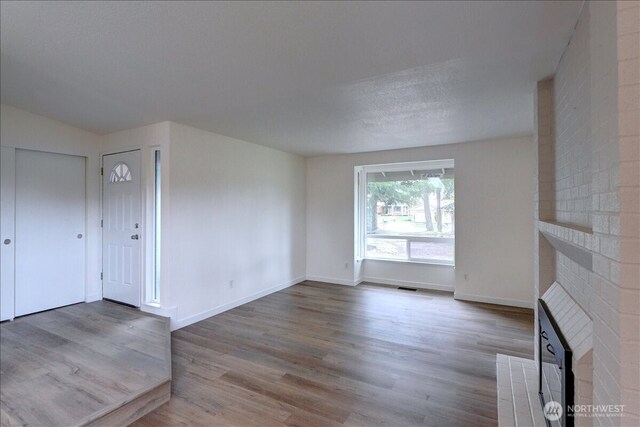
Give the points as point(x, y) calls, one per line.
point(596, 158)
point(576, 280)
point(604, 82)
point(572, 134)
point(625, 271)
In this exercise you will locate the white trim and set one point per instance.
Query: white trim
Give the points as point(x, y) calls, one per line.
point(120, 150)
point(493, 300)
point(222, 308)
point(333, 280)
point(159, 310)
point(93, 297)
point(408, 166)
point(150, 214)
point(412, 237)
point(406, 283)
point(435, 262)
point(359, 202)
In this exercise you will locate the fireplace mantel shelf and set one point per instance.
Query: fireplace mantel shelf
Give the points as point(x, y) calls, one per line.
point(573, 241)
point(581, 237)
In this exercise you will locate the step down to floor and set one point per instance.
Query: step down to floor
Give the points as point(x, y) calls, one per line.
point(86, 364)
point(126, 413)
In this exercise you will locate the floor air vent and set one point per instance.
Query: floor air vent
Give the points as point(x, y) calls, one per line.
point(402, 288)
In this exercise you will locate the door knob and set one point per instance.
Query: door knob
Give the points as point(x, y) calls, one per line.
point(7, 241)
point(134, 237)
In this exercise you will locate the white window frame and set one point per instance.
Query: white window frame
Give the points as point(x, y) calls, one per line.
point(157, 219)
point(360, 191)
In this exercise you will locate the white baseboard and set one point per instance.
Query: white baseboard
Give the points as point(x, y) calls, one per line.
point(92, 297)
point(332, 280)
point(409, 284)
point(493, 300)
point(222, 308)
point(159, 310)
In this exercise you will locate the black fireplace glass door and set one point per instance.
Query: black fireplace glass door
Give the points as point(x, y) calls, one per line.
point(556, 377)
point(551, 376)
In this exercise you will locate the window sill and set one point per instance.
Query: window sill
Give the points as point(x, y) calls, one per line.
point(408, 261)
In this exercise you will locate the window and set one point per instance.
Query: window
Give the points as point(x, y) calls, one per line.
point(120, 173)
point(406, 212)
point(156, 225)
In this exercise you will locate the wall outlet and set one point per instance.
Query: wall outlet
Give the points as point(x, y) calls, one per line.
point(466, 277)
point(231, 283)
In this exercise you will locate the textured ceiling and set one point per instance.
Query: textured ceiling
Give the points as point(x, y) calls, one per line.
point(305, 77)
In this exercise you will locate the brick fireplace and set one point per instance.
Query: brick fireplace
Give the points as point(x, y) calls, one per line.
point(587, 202)
point(577, 329)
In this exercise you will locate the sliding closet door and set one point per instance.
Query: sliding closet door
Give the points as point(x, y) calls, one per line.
point(50, 231)
point(7, 230)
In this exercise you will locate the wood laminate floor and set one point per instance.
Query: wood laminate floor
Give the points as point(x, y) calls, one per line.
point(76, 364)
point(320, 354)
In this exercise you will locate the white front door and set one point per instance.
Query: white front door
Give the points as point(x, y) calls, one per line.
point(121, 229)
point(49, 230)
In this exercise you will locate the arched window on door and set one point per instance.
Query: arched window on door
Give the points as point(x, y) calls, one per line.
point(120, 173)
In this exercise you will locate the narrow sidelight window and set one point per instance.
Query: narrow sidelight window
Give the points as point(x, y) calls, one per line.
point(157, 199)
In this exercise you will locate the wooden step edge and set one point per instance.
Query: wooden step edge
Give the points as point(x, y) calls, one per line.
point(133, 409)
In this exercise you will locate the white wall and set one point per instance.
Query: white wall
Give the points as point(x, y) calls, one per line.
point(24, 130)
point(231, 210)
point(494, 221)
point(237, 213)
